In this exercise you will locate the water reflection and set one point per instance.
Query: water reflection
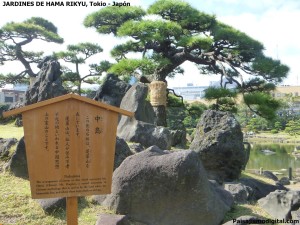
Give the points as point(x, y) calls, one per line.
point(281, 159)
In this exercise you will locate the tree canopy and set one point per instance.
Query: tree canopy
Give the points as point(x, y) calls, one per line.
point(77, 55)
point(171, 32)
point(14, 36)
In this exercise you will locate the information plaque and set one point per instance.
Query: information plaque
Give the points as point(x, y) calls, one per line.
point(70, 146)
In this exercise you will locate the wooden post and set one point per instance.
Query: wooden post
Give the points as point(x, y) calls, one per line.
point(261, 170)
point(72, 211)
point(290, 173)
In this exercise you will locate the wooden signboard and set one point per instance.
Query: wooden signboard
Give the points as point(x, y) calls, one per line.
point(70, 146)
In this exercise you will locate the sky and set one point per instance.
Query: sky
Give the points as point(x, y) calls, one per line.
point(272, 22)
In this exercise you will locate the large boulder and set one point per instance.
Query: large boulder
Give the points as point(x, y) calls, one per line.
point(259, 188)
point(165, 188)
point(279, 204)
point(270, 175)
point(112, 90)
point(109, 219)
point(240, 192)
point(50, 205)
point(223, 194)
point(5, 145)
point(178, 138)
point(146, 134)
point(17, 165)
point(296, 215)
point(135, 101)
point(141, 128)
point(48, 83)
point(219, 144)
point(122, 151)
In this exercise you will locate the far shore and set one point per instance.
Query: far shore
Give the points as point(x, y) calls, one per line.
point(267, 137)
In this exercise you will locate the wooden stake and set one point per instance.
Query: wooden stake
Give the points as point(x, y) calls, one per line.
point(72, 211)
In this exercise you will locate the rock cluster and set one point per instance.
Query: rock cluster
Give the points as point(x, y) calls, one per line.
point(48, 83)
point(141, 128)
point(219, 144)
point(160, 187)
point(112, 90)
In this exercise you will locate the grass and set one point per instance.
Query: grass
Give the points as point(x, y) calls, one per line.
point(246, 209)
point(17, 206)
point(268, 137)
point(11, 131)
point(258, 177)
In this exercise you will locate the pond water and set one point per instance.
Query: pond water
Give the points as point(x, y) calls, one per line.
point(280, 159)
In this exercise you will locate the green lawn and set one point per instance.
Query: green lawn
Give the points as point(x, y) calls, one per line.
point(11, 131)
point(17, 206)
point(268, 137)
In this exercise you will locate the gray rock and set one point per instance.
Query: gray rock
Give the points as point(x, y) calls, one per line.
point(219, 143)
point(109, 219)
point(178, 138)
point(49, 205)
point(245, 220)
point(259, 188)
point(223, 194)
point(122, 151)
point(296, 215)
point(5, 145)
point(48, 83)
point(112, 90)
point(18, 162)
point(141, 128)
point(270, 175)
point(284, 181)
point(165, 188)
point(144, 133)
point(135, 101)
point(279, 203)
point(135, 147)
point(98, 199)
point(241, 193)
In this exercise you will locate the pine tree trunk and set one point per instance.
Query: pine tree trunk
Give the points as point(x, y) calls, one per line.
point(32, 81)
point(158, 101)
point(161, 115)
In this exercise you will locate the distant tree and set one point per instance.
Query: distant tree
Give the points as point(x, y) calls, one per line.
point(13, 38)
point(175, 33)
point(278, 125)
point(183, 115)
point(77, 55)
point(256, 124)
point(293, 127)
point(195, 110)
point(224, 98)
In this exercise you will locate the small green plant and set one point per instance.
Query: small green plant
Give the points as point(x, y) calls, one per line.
point(274, 131)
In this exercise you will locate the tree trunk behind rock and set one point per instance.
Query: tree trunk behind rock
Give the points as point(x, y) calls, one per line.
point(158, 99)
point(161, 115)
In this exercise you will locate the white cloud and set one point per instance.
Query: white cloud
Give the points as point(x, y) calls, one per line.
point(276, 30)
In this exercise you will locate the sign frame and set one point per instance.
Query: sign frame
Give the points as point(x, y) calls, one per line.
point(70, 147)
